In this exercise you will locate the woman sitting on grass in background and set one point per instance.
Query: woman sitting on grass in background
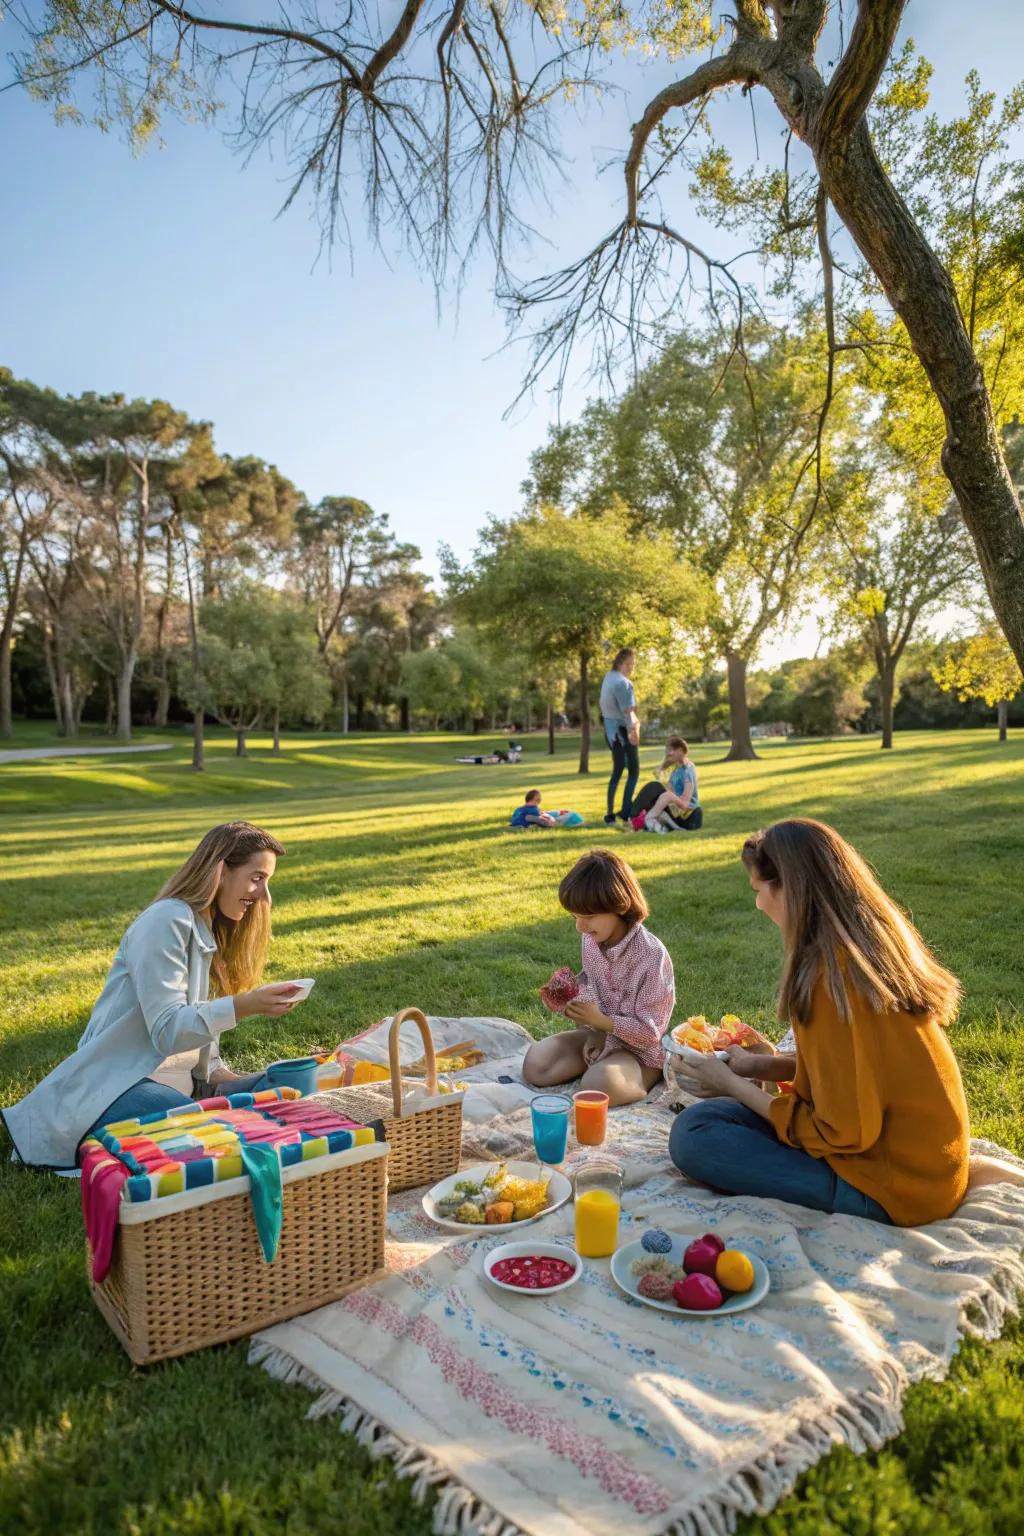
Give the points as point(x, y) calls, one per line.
point(211, 921)
point(876, 1124)
point(626, 989)
point(677, 807)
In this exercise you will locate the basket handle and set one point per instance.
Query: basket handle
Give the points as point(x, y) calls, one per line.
point(430, 1074)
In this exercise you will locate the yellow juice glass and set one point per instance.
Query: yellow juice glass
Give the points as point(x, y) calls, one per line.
point(598, 1199)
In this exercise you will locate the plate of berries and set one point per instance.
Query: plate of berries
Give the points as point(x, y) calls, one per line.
point(690, 1276)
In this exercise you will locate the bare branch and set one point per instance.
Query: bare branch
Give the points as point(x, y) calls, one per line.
point(857, 75)
point(278, 34)
point(392, 47)
point(739, 63)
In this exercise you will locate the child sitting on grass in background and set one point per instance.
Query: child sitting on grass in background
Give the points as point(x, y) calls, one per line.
point(529, 814)
point(626, 989)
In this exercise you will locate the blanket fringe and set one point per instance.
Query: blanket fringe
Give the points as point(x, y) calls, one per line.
point(863, 1423)
point(457, 1512)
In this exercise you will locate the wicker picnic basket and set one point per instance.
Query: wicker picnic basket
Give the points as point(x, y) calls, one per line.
point(188, 1272)
point(425, 1138)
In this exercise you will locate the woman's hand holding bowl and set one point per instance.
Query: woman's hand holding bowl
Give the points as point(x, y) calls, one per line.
point(275, 998)
point(707, 1076)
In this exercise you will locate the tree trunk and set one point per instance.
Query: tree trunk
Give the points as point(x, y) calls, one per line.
point(277, 731)
point(198, 740)
point(922, 294)
point(741, 747)
point(1002, 711)
point(344, 706)
point(7, 641)
point(124, 698)
point(198, 706)
point(404, 722)
point(887, 692)
point(69, 714)
point(241, 750)
point(551, 729)
point(51, 674)
point(584, 715)
point(163, 700)
point(6, 713)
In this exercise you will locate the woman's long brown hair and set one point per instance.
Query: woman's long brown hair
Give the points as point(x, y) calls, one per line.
point(840, 924)
point(241, 946)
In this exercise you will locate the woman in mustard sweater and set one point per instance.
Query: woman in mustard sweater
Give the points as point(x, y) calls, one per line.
point(876, 1123)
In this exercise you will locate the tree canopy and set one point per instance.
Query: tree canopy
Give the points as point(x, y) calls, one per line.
point(446, 118)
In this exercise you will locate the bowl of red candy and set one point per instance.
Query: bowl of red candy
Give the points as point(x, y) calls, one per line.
point(532, 1269)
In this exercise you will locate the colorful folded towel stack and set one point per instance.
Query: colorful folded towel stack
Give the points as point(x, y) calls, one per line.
point(202, 1144)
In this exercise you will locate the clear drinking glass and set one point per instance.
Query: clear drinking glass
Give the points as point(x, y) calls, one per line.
point(550, 1115)
point(598, 1194)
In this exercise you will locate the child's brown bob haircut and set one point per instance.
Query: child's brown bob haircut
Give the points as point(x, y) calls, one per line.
point(602, 883)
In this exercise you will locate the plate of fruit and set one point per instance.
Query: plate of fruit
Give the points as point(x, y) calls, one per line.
point(498, 1196)
point(690, 1276)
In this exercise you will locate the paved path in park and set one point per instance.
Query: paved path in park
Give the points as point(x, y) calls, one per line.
point(27, 753)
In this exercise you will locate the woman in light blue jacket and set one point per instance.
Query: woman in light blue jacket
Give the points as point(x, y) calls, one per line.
point(207, 931)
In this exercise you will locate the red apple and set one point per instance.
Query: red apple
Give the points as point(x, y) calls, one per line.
point(697, 1293)
point(701, 1257)
point(715, 1241)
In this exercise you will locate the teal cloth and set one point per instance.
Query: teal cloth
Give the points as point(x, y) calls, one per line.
point(263, 1166)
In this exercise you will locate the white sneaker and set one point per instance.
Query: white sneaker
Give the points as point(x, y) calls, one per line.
point(653, 824)
point(668, 822)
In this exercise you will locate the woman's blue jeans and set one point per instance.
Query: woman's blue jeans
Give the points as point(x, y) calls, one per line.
point(730, 1147)
point(147, 1097)
point(625, 758)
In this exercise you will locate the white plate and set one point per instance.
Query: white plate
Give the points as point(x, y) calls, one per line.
point(689, 1052)
point(626, 1280)
point(307, 984)
point(527, 1250)
point(559, 1191)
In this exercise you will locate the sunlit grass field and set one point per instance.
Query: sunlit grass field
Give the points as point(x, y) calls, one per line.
point(401, 885)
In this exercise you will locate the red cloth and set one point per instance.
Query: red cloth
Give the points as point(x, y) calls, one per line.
point(103, 1178)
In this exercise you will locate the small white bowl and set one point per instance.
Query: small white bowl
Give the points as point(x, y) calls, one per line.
point(307, 984)
point(532, 1250)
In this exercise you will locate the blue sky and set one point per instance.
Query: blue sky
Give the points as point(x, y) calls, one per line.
point(169, 275)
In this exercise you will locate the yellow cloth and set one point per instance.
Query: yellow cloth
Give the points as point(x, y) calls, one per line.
point(882, 1101)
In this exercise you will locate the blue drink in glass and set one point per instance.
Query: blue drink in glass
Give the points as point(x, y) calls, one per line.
point(550, 1115)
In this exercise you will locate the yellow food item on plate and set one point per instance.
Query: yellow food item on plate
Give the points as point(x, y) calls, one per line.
point(734, 1270)
point(528, 1196)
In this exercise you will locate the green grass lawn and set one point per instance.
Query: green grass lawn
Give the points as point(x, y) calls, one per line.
point(401, 886)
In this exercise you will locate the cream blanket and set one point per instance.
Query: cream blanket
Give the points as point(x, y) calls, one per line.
point(586, 1414)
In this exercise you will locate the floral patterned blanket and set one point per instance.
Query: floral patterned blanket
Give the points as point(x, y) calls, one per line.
point(588, 1414)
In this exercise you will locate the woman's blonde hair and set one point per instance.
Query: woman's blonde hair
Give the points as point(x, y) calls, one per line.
point(839, 923)
point(241, 946)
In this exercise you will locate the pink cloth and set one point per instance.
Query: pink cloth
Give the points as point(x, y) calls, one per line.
point(634, 984)
point(103, 1178)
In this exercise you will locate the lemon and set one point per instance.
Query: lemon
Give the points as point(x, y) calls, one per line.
point(734, 1270)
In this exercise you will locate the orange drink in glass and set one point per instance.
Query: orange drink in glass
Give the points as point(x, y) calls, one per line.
point(591, 1117)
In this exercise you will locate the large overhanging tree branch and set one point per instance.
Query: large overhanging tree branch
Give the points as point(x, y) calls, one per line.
point(445, 114)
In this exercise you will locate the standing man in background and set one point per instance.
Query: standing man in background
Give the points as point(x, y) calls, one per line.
point(622, 731)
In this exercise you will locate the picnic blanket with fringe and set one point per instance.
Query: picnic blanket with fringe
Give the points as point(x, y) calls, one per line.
point(587, 1414)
